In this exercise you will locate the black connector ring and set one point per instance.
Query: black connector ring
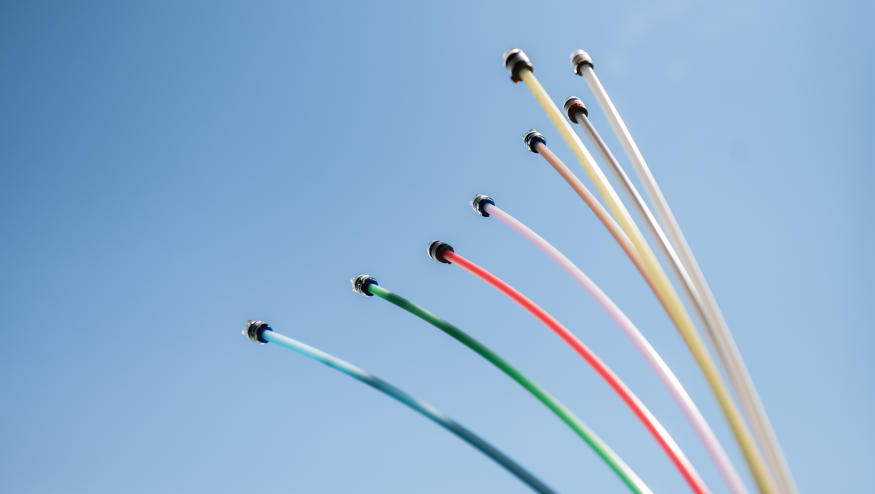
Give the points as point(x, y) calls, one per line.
point(437, 249)
point(573, 107)
point(516, 60)
point(361, 282)
point(579, 60)
point(478, 203)
point(255, 331)
point(532, 137)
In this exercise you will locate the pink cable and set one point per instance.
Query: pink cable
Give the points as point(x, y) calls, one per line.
point(668, 378)
point(671, 449)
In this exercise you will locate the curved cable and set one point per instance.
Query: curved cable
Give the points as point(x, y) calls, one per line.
point(646, 263)
point(665, 374)
point(716, 327)
point(662, 437)
point(660, 283)
point(626, 474)
point(654, 229)
point(268, 335)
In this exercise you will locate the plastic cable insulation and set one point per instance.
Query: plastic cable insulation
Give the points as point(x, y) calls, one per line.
point(596, 207)
point(716, 327)
point(656, 232)
point(663, 371)
point(664, 289)
point(662, 437)
point(626, 474)
point(420, 406)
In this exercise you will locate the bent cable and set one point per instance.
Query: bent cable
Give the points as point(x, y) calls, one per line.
point(657, 278)
point(445, 253)
point(580, 116)
point(620, 468)
point(717, 329)
point(663, 371)
point(645, 262)
point(262, 333)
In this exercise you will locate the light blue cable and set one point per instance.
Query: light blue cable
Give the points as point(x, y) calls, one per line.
point(267, 334)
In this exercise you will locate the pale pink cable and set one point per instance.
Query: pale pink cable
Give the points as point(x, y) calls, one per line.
point(680, 395)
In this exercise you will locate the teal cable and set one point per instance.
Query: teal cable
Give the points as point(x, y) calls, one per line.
point(626, 474)
point(262, 333)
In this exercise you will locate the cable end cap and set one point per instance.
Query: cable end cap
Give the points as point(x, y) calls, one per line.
point(361, 282)
point(255, 331)
point(437, 249)
point(479, 202)
point(516, 60)
point(579, 60)
point(531, 137)
point(573, 107)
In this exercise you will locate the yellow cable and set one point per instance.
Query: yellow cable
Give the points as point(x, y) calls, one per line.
point(662, 286)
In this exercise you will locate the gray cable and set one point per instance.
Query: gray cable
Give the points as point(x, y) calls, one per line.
point(699, 293)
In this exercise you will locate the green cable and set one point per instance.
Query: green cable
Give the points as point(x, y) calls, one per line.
point(629, 477)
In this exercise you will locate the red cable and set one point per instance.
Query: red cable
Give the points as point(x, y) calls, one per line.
point(653, 426)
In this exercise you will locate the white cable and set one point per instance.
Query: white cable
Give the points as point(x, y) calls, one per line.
point(715, 328)
point(668, 378)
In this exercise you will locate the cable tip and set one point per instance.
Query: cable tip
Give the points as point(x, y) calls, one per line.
point(361, 283)
point(516, 60)
point(479, 202)
point(437, 249)
point(531, 137)
point(255, 331)
point(573, 107)
point(579, 60)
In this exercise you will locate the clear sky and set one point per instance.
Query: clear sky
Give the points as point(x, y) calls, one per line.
point(172, 169)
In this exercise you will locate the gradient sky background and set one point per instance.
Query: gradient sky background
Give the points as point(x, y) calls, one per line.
point(172, 169)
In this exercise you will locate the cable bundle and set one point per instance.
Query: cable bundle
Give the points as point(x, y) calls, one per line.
point(699, 294)
point(261, 332)
point(367, 285)
point(486, 207)
point(759, 448)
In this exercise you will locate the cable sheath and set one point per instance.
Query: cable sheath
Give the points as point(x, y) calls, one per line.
point(662, 437)
point(662, 370)
point(629, 477)
point(420, 406)
point(661, 285)
point(716, 328)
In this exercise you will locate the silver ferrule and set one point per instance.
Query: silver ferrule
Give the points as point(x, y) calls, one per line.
point(579, 60)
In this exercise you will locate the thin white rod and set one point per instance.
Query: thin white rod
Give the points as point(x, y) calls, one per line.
point(715, 328)
point(662, 370)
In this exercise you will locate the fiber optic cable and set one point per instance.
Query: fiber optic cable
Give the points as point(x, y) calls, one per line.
point(521, 69)
point(715, 327)
point(578, 113)
point(261, 332)
point(536, 143)
point(485, 206)
point(368, 286)
point(444, 253)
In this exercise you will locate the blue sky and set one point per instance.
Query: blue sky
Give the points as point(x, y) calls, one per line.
point(172, 169)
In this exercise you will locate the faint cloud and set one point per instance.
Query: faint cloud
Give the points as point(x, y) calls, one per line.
point(739, 150)
point(644, 18)
point(677, 69)
point(615, 64)
point(638, 24)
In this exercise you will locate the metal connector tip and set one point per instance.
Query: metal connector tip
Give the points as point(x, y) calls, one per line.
point(255, 331)
point(516, 60)
point(437, 249)
point(579, 60)
point(573, 107)
point(531, 137)
point(361, 282)
point(479, 202)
